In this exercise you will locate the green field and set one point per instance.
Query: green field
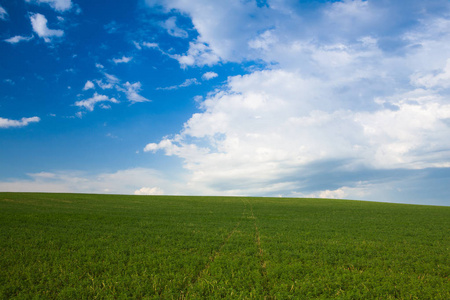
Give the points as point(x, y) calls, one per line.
point(75, 246)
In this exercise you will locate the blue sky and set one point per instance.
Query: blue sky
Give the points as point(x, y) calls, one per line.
point(334, 99)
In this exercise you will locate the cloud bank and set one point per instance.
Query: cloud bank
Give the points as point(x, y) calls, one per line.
point(355, 104)
point(120, 182)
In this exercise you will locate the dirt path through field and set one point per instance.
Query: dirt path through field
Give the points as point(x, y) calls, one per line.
point(263, 270)
point(215, 255)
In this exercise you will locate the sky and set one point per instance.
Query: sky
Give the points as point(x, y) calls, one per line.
point(330, 99)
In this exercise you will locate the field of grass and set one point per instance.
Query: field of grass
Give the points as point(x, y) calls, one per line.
point(75, 246)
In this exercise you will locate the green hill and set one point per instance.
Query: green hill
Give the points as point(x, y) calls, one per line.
point(74, 246)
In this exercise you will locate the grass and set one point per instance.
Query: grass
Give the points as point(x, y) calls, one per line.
point(77, 246)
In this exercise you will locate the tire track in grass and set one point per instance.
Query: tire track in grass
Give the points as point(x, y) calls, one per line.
point(212, 258)
point(263, 270)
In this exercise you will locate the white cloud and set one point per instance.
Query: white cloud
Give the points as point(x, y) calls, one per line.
point(359, 90)
point(3, 13)
point(111, 78)
point(111, 81)
point(224, 27)
point(209, 75)
point(58, 5)
point(104, 86)
point(171, 26)
point(131, 90)
point(265, 129)
point(89, 85)
point(186, 83)
point(149, 191)
point(90, 103)
point(264, 41)
point(120, 182)
point(137, 45)
point(39, 24)
point(124, 59)
point(7, 123)
point(440, 79)
point(345, 192)
point(105, 106)
point(147, 45)
point(199, 54)
point(150, 45)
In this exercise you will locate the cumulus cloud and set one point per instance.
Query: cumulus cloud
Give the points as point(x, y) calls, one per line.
point(149, 191)
point(199, 54)
point(3, 13)
point(7, 123)
point(90, 103)
point(345, 100)
point(17, 39)
point(209, 75)
point(58, 5)
point(88, 85)
point(39, 24)
point(124, 59)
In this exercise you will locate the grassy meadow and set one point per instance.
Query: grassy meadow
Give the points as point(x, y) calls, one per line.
point(78, 246)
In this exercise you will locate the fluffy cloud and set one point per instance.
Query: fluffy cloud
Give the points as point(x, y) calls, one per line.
point(17, 39)
point(3, 13)
point(39, 24)
point(89, 85)
point(58, 5)
point(90, 103)
point(124, 59)
point(354, 100)
point(7, 123)
point(209, 75)
point(253, 135)
point(149, 191)
point(199, 54)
